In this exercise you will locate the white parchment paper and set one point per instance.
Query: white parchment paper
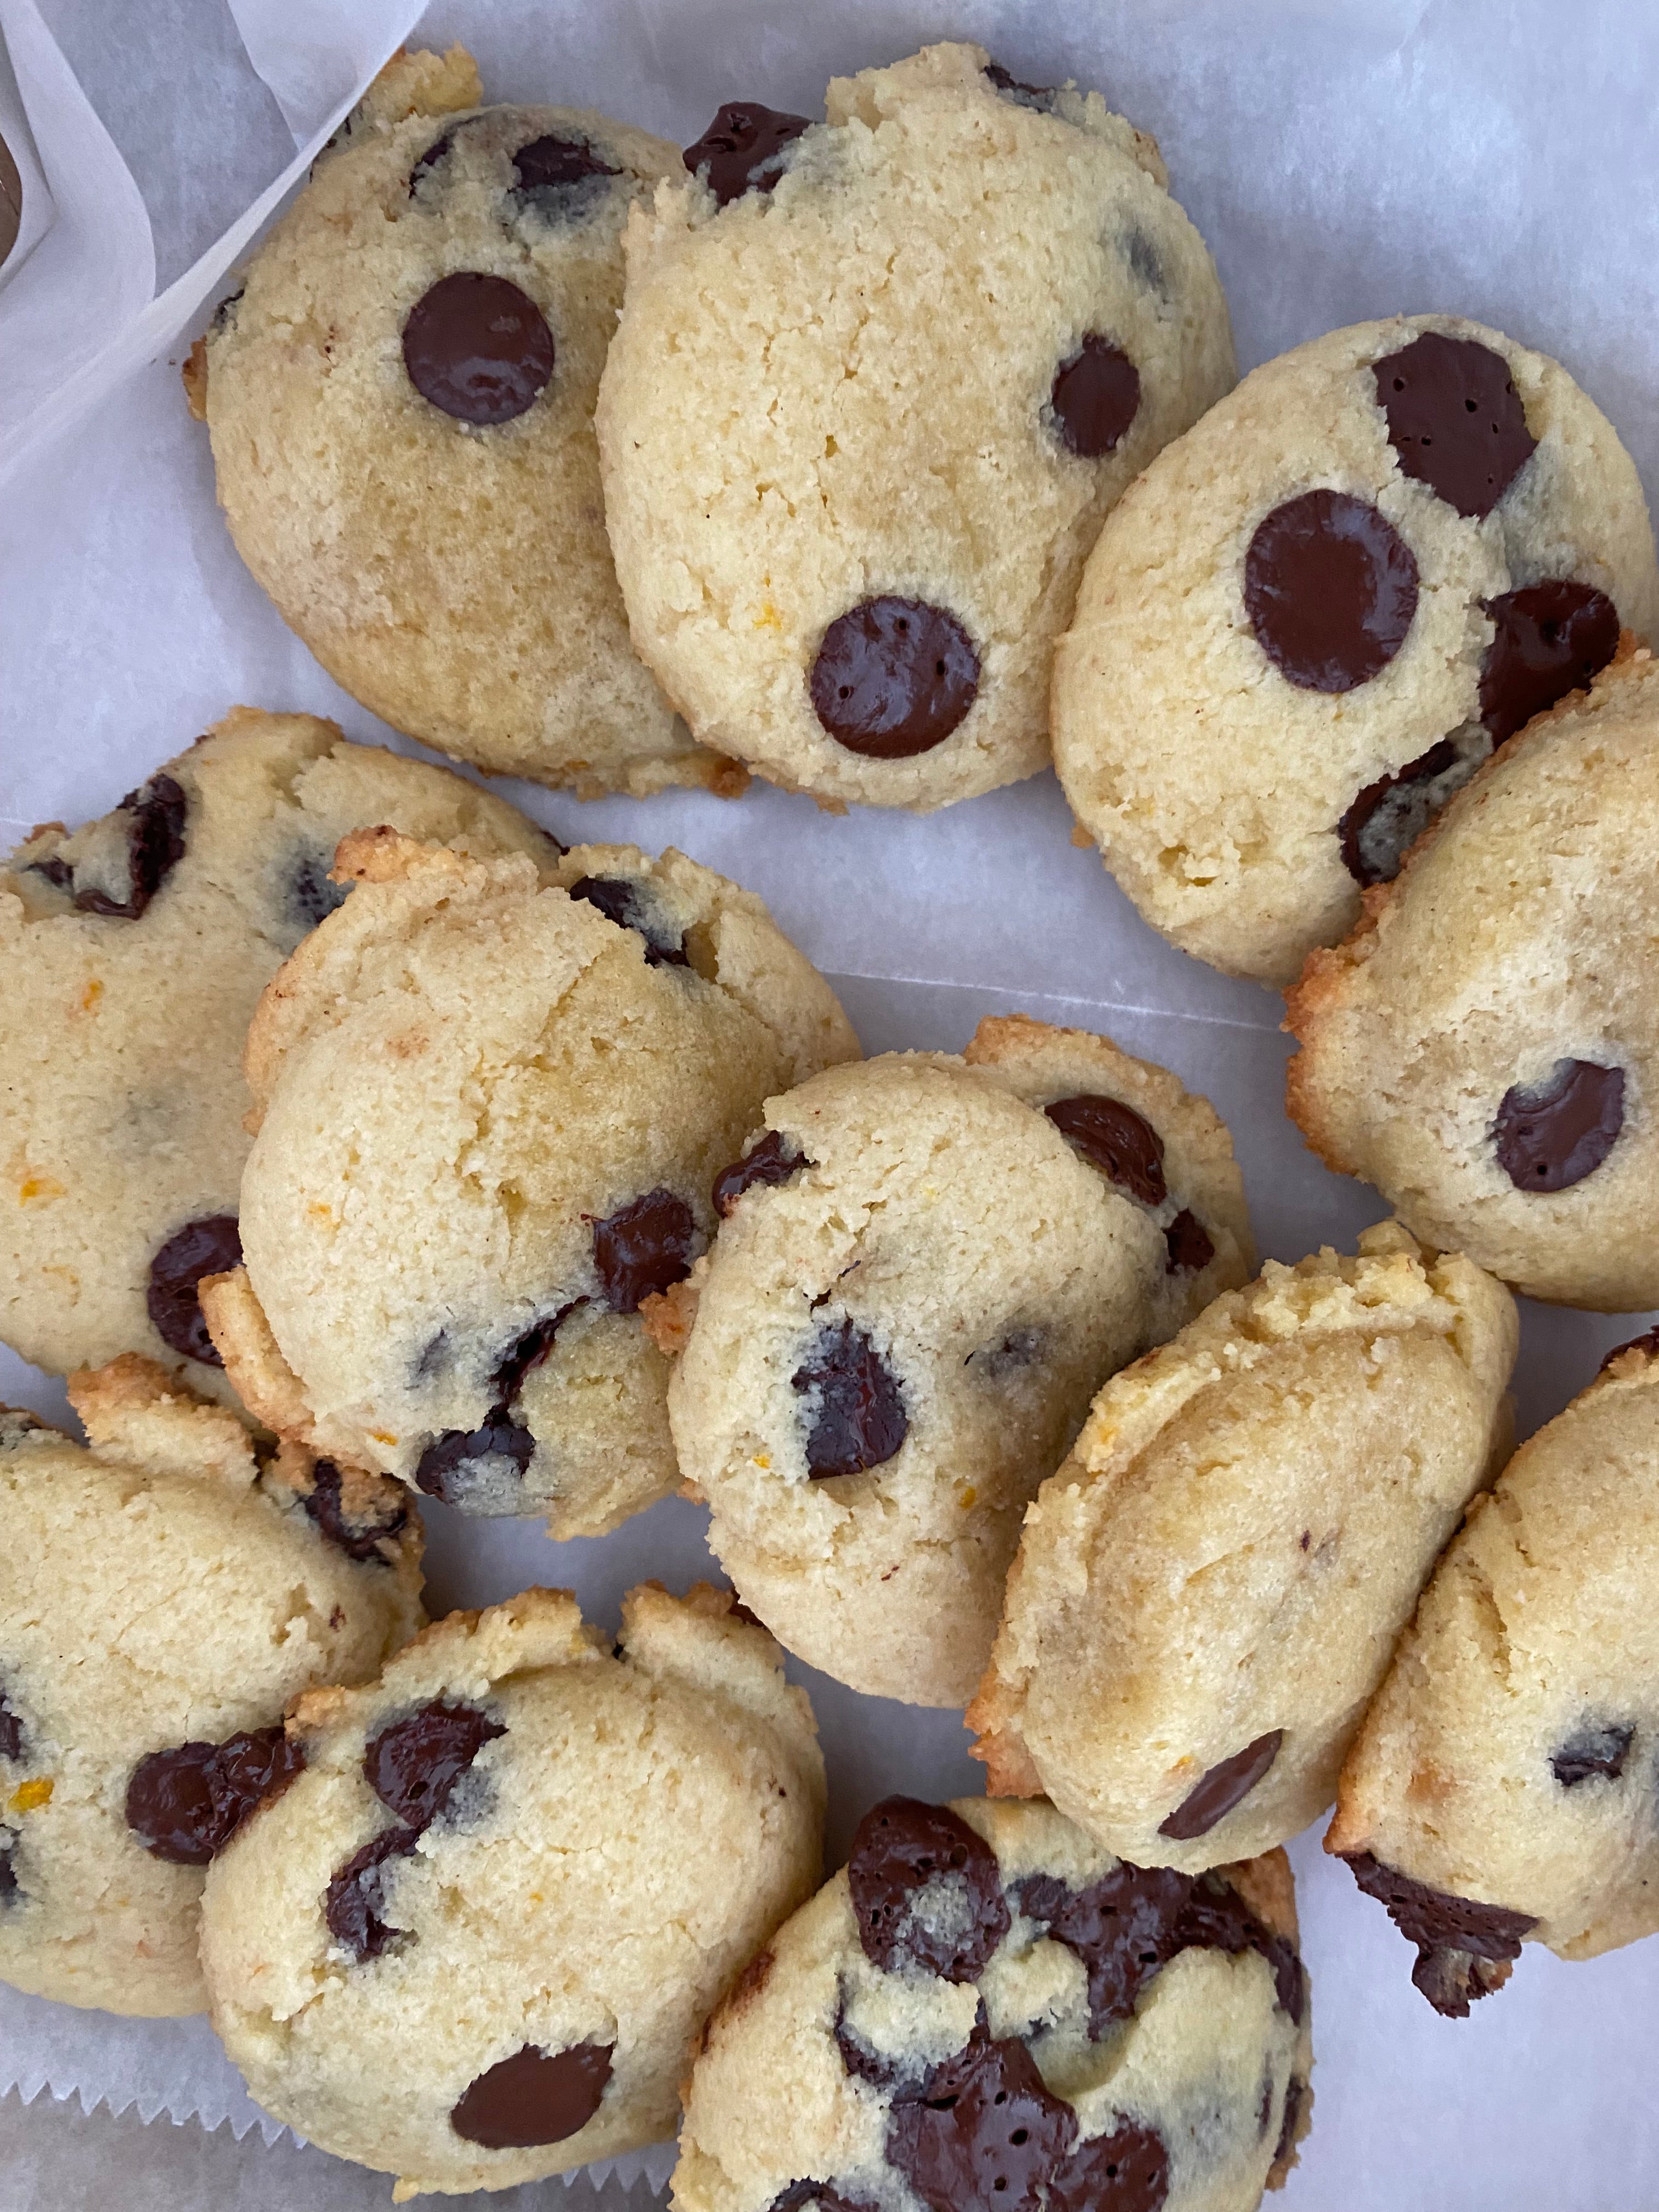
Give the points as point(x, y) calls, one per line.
point(1343, 161)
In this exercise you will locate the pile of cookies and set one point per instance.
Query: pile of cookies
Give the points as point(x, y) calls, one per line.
point(364, 1143)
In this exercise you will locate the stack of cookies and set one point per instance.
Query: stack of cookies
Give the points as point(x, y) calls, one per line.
point(366, 1146)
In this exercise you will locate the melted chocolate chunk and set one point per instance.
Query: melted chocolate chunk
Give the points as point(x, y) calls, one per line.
point(413, 1766)
point(819, 2194)
point(1225, 1785)
point(527, 1353)
point(8, 1886)
point(1552, 1135)
point(1189, 1244)
point(1216, 1919)
point(361, 1537)
point(643, 1248)
point(1295, 2090)
point(1123, 1928)
point(856, 1418)
point(11, 1730)
point(865, 2064)
point(1648, 1343)
point(1597, 1752)
point(985, 2136)
point(1456, 420)
point(743, 149)
point(550, 164)
point(894, 678)
point(436, 152)
point(773, 1161)
point(619, 900)
point(155, 845)
point(452, 1464)
point(926, 1889)
point(1127, 2171)
point(1330, 588)
point(1094, 397)
point(534, 2097)
point(478, 348)
point(1042, 94)
point(310, 893)
point(1114, 1139)
point(1390, 816)
point(1551, 638)
point(1458, 1942)
point(211, 1246)
point(185, 1804)
point(353, 1904)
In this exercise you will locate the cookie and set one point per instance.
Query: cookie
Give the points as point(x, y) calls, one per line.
point(986, 2012)
point(1208, 1592)
point(876, 383)
point(135, 951)
point(491, 1107)
point(1500, 1789)
point(163, 1594)
point(474, 1941)
point(1317, 614)
point(927, 1268)
point(1480, 1048)
point(400, 400)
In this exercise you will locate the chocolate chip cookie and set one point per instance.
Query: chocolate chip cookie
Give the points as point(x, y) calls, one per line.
point(135, 951)
point(1315, 616)
point(1500, 1790)
point(163, 1594)
point(1208, 1592)
point(1480, 1048)
point(473, 1942)
point(876, 383)
point(400, 399)
point(928, 1267)
point(491, 1109)
point(986, 2012)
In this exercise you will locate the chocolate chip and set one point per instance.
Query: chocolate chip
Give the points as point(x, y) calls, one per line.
point(894, 678)
point(856, 1418)
point(534, 2097)
point(1000, 78)
point(1127, 2171)
point(619, 900)
point(820, 2195)
point(1330, 588)
point(773, 1161)
point(866, 2065)
point(1455, 421)
point(926, 1889)
point(643, 1248)
point(743, 149)
point(462, 1461)
point(1549, 639)
point(362, 1536)
point(527, 1353)
point(311, 895)
point(1458, 1940)
point(1596, 1752)
point(1551, 1135)
point(414, 1764)
point(185, 1804)
point(1387, 817)
point(549, 164)
point(1216, 1919)
point(154, 846)
point(11, 1730)
point(1096, 394)
point(1295, 2090)
point(1187, 1242)
point(478, 348)
point(1225, 1785)
point(1124, 1928)
point(353, 1904)
point(8, 1883)
point(211, 1246)
point(225, 313)
point(986, 2132)
point(1648, 1343)
point(436, 152)
point(1114, 1139)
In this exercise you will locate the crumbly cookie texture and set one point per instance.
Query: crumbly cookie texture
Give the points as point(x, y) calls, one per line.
point(1482, 1047)
point(1208, 1592)
point(474, 1941)
point(1499, 1791)
point(164, 1593)
point(918, 1286)
point(400, 399)
point(135, 950)
point(491, 1105)
point(1292, 643)
point(986, 2009)
point(866, 409)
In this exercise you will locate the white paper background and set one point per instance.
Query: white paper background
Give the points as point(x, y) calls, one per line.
point(1343, 162)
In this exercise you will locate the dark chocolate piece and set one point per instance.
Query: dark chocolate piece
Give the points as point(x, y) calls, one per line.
point(353, 1904)
point(1117, 1141)
point(448, 1467)
point(1551, 639)
point(552, 163)
point(155, 845)
point(1094, 397)
point(1124, 1928)
point(743, 147)
point(533, 2097)
point(1330, 588)
point(894, 678)
point(361, 1537)
point(1295, 2090)
point(1127, 2171)
point(527, 1353)
point(618, 900)
point(186, 1803)
point(1648, 1343)
point(644, 1249)
point(1225, 1785)
point(1189, 1244)
point(1598, 1752)
point(1551, 1135)
point(855, 1418)
point(311, 895)
point(773, 1161)
point(1461, 1946)
point(211, 1246)
point(11, 1730)
point(1456, 420)
point(414, 1764)
point(436, 152)
point(1387, 817)
point(1042, 93)
point(478, 348)
point(8, 1883)
point(820, 2196)
point(902, 1850)
point(987, 2134)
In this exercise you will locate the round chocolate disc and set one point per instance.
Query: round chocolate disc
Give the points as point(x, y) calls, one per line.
point(894, 678)
point(478, 348)
point(1095, 397)
point(1330, 588)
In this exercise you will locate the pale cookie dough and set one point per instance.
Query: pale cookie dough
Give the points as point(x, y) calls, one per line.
point(1316, 615)
point(986, 2012)
point(163, 1594)
point(1501, 1789)
point(401, 400)
point(474, 1944)
point(922, 1279)
point(877, 382)
point(491, 1107)
point(1481, 1047)
point(1209, 1591)
point(134, 952)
